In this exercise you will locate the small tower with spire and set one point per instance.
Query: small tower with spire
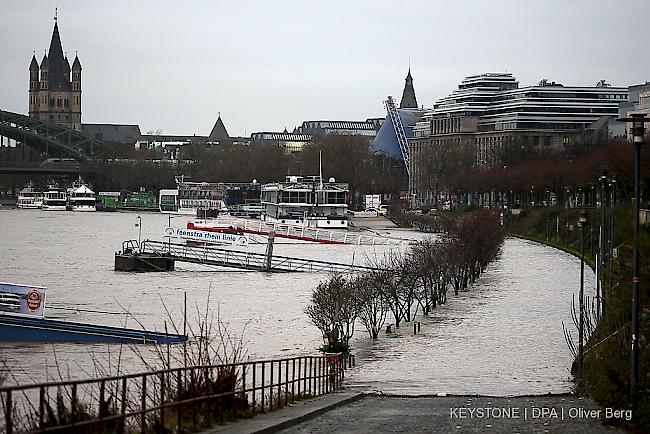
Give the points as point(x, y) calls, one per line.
point(76, 93)
point(34, 85)
point(56, 96)
point(408, 96)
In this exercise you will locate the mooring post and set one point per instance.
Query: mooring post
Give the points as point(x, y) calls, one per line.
point(269, 251)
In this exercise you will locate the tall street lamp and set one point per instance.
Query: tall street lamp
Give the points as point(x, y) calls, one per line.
point(139, 225)
point(582, 223)
point(610, 255)
point(638, 138)
point(600, 293)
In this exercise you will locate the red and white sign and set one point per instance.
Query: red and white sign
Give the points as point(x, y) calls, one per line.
point(22, 299)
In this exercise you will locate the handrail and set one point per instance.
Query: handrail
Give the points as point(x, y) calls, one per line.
point(225, 257)
point(143, 399)
point(306, 233)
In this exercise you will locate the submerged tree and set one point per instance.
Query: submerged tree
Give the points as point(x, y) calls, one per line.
point(333, 311)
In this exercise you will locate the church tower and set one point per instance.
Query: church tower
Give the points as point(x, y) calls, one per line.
point(34, 86)
point(55, 97)
point(408, 96)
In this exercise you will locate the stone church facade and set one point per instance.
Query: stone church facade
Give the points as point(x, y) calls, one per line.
point(55, 87)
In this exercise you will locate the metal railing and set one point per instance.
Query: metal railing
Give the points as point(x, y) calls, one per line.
point(211, 255)
point(178, 398)
point(285, 230)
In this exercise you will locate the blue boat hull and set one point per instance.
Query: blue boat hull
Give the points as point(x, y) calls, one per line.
point(25, 329)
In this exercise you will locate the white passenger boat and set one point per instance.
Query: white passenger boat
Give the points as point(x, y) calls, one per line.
point(82, 198)
point(29, 198)
point(55, 199)
point(211, 198)
point(307, 202)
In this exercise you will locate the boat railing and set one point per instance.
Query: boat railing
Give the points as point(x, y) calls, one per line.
point(173, 399)
point(309, 234)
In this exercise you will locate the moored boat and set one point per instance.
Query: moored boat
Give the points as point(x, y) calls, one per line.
point(54, 199)
point(307, 202)
point(30, 198)
point(82, 199)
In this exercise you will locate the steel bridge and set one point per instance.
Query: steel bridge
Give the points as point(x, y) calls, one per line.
point(47, 137)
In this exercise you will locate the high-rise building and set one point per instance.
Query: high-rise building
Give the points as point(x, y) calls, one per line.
point(489, 113)
point(54, 87)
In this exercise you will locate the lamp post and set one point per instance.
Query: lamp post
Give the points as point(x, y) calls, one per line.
point(582, 223)
point(638, 132)
point(139, 225)
point(600, 293)
point(610, 255)
point(566, 226)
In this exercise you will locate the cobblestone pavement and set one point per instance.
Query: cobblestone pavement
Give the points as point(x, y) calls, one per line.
point(454, 414)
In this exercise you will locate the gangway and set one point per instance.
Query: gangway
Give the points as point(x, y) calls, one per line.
point(303, 233)
point(215, 256)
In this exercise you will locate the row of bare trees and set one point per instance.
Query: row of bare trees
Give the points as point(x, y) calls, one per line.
point(401, 283)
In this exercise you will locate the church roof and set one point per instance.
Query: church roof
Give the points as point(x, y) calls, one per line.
point(408, 96)
point(76, 65)
point(34, 64)
point(219, 133)
point(57, 80)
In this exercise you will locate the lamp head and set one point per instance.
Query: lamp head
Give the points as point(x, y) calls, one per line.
point(582, 220)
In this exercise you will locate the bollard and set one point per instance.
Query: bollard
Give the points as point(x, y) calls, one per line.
point(415, 331)
point(419, 326)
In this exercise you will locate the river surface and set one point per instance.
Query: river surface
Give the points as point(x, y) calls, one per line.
point(502, 337)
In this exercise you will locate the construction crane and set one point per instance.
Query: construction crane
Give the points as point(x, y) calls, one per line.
point(404, 146)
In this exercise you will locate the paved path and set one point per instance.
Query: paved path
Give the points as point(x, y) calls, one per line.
point(452, 414)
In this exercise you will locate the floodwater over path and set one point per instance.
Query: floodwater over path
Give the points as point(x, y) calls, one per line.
point(502, 337)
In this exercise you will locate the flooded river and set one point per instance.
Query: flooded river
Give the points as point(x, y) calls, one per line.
point(502, 337)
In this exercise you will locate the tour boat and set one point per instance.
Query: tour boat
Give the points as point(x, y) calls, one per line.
point(54, 199)
point(201, 198)
point(28, 198)
point(307, 202)
point(82, 199)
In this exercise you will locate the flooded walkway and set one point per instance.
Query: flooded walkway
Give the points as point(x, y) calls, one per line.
point(503, 337)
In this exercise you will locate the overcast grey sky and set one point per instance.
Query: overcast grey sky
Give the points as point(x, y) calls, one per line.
point(267, 65)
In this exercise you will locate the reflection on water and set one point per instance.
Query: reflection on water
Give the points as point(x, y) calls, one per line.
point(502, 337)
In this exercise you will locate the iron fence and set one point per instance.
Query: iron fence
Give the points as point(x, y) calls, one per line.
point(178, 399)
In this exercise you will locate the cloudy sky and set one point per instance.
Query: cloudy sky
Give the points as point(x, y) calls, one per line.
point(267, 65)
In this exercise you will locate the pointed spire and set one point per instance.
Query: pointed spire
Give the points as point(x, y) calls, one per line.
point(76, 65)
point(219, 133)
point(44, 61)
point(57, 64)
point(408, 96)
point(34, 65)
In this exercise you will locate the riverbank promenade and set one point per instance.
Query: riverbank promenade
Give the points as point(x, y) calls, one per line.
point(349, 412)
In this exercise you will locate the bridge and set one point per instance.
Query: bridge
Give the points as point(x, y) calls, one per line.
point(49, 138)
point(219, 257)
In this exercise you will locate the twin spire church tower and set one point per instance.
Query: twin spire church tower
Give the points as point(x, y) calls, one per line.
point(54, 87)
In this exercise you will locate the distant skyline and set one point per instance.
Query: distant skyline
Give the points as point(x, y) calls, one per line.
point(269, 65)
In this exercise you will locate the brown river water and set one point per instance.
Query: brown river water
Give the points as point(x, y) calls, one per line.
point(502, 337)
